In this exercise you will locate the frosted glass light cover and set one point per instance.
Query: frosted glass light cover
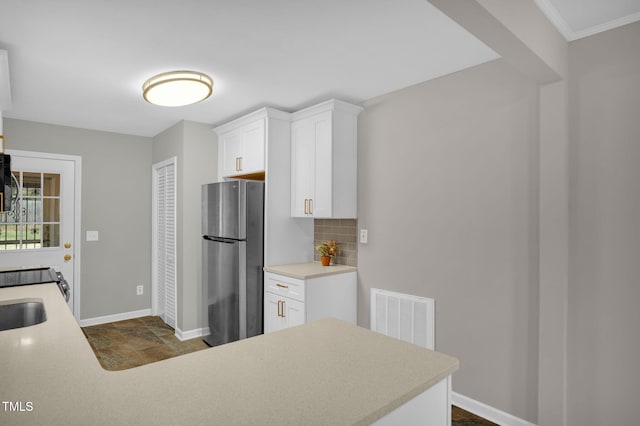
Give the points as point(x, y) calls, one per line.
point(177, 88)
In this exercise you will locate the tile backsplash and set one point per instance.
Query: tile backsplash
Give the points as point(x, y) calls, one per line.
point(345, 232)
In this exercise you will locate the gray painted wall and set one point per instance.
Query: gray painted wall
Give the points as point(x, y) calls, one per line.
point(195, 146)
point(201, 166)
point(604, 287)
point(447, 187)
point(116, 201)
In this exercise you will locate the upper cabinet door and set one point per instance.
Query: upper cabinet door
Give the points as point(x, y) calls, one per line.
point(324, 160)
point(253, 141)
point(321, 204)
point(303, 146)
point(242, 149)
point(230, 151)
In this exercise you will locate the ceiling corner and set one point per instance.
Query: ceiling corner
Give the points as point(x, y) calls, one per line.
point(556, 19)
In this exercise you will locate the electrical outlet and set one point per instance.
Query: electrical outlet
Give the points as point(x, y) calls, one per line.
point(364, 236)
point(139, 290)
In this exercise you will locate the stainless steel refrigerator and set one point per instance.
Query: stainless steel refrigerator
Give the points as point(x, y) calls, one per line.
point(232, 248)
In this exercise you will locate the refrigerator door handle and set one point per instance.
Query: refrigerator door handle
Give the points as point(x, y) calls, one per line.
point(219, 240)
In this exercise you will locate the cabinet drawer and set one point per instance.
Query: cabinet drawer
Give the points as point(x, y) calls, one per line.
point(284, 286)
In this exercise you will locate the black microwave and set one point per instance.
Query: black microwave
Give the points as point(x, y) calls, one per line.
point(5, 182)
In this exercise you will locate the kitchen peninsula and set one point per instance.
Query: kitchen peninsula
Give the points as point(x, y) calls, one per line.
point(323, 372)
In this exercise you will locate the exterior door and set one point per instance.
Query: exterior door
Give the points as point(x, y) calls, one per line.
point(40, 228)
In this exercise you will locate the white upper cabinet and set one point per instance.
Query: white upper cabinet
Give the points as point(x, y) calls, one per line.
point(324, 160)
point(253, 145)
point(241, 147)
point(229, 150)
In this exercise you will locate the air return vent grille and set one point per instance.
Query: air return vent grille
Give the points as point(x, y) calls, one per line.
point(405, 317)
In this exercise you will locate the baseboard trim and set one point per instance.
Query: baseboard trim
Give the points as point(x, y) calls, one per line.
point(113, 318)
point(483, 410)
point(191, 334)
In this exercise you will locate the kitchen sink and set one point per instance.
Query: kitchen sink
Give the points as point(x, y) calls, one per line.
point(24, 313)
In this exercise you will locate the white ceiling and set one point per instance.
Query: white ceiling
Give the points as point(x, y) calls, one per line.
point(581, 18)
point(82, 62)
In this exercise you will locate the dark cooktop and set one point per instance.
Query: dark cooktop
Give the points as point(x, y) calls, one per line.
point(27, 277)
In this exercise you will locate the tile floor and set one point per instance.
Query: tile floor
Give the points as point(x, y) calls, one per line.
point(460, 417)
point(135, 342)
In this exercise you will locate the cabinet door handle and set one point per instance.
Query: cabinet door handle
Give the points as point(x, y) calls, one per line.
point(310, 205)
point(236, 164)
point(282, 285)
point(305, 206)
point(281, 308)
point(239, 164)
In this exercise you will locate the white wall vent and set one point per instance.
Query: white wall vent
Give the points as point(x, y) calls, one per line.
point(403, 316)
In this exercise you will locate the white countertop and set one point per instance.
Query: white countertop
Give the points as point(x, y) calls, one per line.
point(324, 372)
point(306, 270)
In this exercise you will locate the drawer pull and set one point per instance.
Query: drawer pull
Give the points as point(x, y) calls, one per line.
point(282, 285)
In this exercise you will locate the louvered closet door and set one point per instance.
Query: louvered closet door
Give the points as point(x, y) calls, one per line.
point(165, 241)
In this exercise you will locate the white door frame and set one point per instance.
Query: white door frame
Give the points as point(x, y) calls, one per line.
point(77, 228)
point(155, 309)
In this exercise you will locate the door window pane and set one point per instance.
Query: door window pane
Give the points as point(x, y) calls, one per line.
point(31, 184)
point(51, 235)
point(34, 220)
point(51, 185)
point(31, 236)
point(51, 210)
point(31, 209)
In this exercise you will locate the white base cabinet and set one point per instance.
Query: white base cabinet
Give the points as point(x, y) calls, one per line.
point(431, 407)
point(291, 301)
point(282, 312)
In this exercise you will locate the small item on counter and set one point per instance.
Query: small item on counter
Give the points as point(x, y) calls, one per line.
point(327, 250)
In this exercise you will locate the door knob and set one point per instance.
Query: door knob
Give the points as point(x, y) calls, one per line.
point(67, 245)
point(67, 257)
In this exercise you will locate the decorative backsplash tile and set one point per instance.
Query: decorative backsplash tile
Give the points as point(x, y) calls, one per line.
point(345, 232)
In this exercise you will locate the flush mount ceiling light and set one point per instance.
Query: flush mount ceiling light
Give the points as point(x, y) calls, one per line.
point(177, 88)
